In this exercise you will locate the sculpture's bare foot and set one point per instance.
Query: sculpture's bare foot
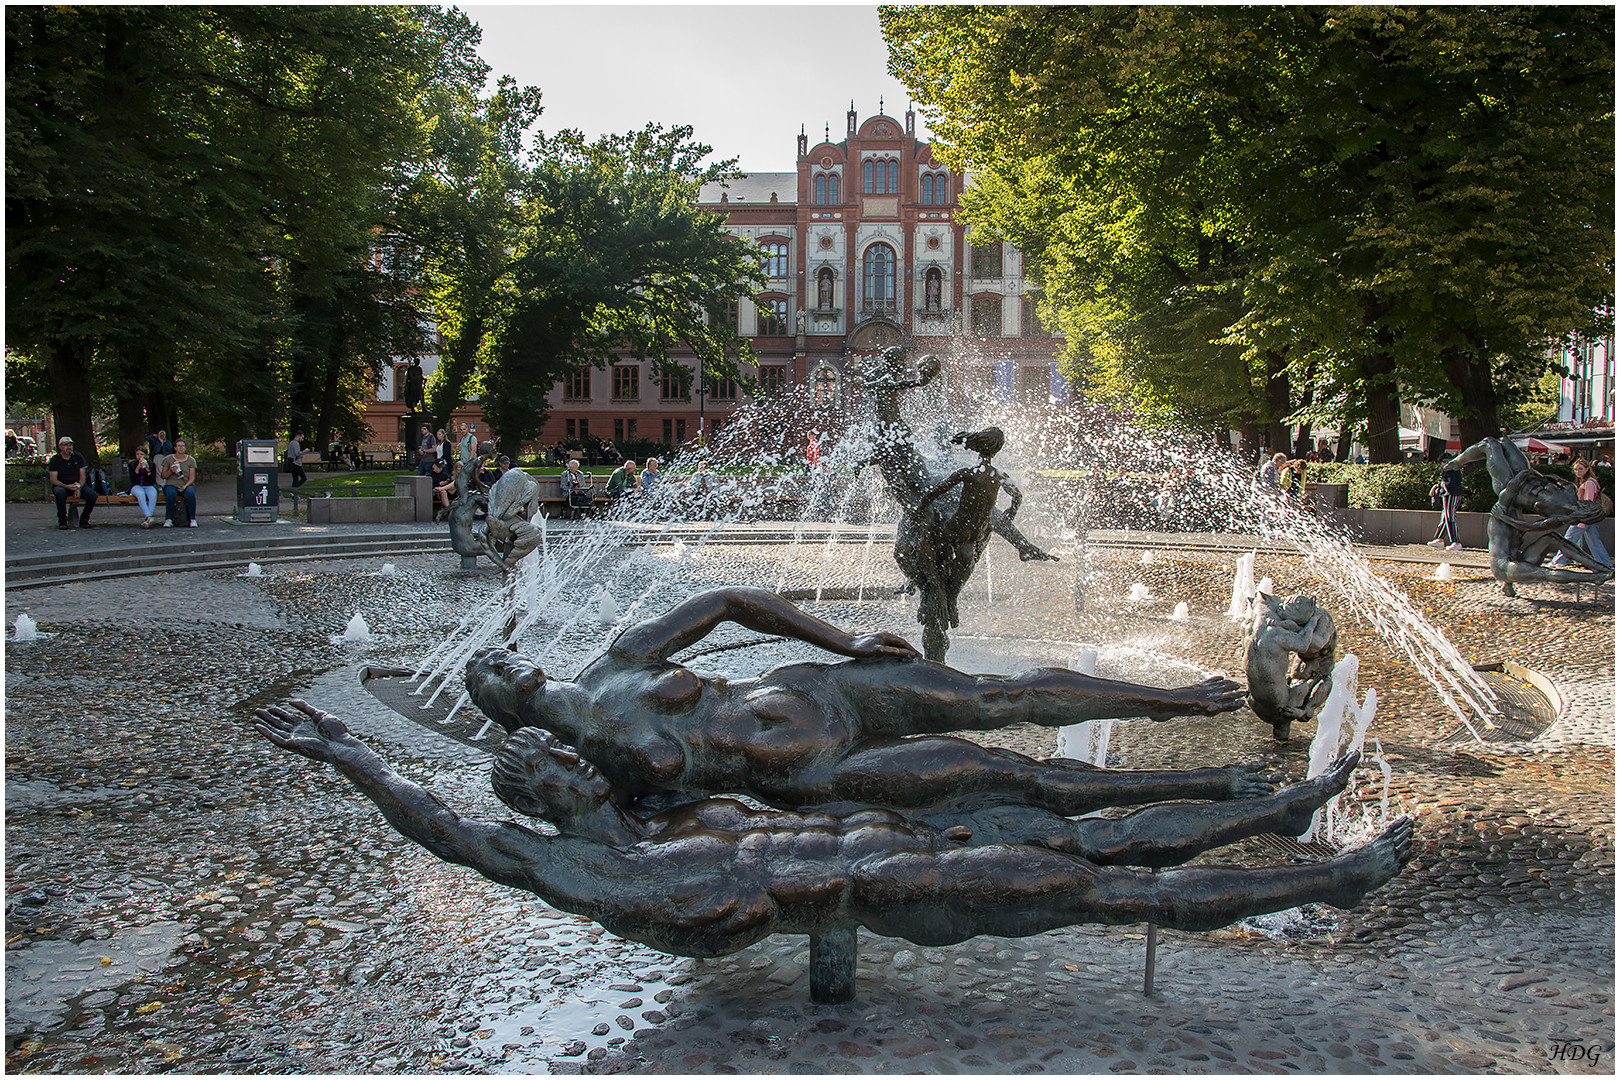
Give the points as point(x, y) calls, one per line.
point(1281, 730)
point(1211, 697)
point(1359, 872)
point(1250, 781)
point(1304, 799)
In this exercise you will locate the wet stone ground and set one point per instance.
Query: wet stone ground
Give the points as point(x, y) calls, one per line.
point(182, 897)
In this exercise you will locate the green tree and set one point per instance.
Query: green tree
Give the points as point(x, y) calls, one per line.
point(121, 214)
point(464, 210)
point(1374, 201)
point(615, 260)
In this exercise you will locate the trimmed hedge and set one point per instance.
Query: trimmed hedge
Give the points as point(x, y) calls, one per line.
point(1405, 486)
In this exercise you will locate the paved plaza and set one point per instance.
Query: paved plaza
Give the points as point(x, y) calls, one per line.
point(183, 897)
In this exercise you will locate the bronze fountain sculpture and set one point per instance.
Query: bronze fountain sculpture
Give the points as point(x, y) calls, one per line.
point(1527, 523)
point(1293, 633)
point(880, 819)
point(943, 531)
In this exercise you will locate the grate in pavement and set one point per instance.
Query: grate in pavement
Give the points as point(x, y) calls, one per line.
point(1523, 712)
point(1287, 845)
point(394, 691)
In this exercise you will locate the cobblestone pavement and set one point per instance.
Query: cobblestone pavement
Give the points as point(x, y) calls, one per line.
point(183, 897)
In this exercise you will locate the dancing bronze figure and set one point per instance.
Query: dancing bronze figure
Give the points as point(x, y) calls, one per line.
point(907, 475)
point(867, 731)
point(715, 876)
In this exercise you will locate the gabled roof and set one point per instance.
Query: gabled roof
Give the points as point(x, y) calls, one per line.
point(754, 189)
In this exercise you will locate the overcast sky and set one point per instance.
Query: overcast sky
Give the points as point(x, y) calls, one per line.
point(744, 76)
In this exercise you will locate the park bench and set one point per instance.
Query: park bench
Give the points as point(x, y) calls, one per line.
point(392, 454)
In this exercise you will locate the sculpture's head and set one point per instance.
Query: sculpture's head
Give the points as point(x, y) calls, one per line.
point(504, 684)
point(987, 443)
point(1299, 609)
point(540, 777)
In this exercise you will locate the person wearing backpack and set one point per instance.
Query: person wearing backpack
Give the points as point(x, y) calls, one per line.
point(1446, 497)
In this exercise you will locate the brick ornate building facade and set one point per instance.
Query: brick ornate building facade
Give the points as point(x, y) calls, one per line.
point(863, 250)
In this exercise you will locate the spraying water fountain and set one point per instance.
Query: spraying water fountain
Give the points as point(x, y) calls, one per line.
point(25, 629)
point(824, 536)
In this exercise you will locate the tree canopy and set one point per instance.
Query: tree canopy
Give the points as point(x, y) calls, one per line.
point(615, 259)
point(1259, 214)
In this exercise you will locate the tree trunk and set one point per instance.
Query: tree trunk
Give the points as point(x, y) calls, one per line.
point(1278, 401)
point(130, 421)
point(68, 372)
point(449, 390)
point(1346, 437)
point(1471, 375)
point(1383, 408)
point(1248, 438)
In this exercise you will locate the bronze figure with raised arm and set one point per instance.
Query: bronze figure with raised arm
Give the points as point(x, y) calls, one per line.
point(906, 474)
point(868, 731)
point(1527, 523)
point(712, 877)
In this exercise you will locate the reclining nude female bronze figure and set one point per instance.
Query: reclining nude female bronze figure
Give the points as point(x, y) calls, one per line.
point(713, 876)
point(864, 732)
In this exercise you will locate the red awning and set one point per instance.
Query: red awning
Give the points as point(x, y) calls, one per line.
point(1533, 443)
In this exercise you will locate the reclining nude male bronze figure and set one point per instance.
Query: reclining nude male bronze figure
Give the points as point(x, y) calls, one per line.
point(713, 876)
point(868, 731)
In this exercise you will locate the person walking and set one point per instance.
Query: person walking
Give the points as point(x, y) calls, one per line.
point(178, 471)
point(469, 441)
point(68, 474)
point(295, 459)
point(1450, 493)
point(143, 485)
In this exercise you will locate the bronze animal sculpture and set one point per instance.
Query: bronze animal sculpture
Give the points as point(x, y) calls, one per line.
point(1531, 513)
point(1294, 634)
point(867, 731)
point(714, 876)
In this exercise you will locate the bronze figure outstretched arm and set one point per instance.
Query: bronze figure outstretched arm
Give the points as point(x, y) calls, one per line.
point(566, 872)
point(692, 620)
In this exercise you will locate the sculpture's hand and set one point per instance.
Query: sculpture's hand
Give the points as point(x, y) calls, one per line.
point(882, 643)
point(317, 735)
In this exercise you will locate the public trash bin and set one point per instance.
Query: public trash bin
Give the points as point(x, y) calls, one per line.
point(258, 492)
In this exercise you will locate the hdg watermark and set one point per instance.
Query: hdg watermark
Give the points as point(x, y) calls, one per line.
point(1573, 1051)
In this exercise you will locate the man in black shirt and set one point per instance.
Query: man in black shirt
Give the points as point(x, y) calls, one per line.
point(67, 472)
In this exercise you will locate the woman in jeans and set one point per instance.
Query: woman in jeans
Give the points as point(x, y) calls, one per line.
point(1587, 490)
point(143, 485)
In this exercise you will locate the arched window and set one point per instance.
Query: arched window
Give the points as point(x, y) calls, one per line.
point(894, 177)
point(928, 189)
point(772, 318)
point(942, 189)
point(821, 189)
point(877, 278)
point(775, 258)
point(866, 177)
point(832, 190)
point(826, 284)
